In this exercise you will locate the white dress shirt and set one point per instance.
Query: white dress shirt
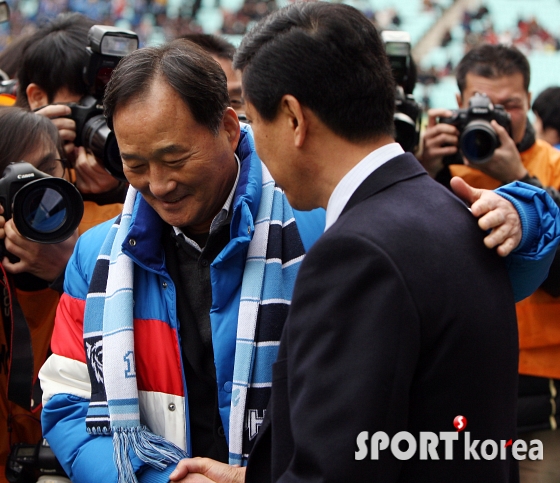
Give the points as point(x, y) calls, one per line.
point(355, 177)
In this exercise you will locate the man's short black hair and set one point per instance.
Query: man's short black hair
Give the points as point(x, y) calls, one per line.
point(492, 62)
point(190, 71)
point(547, 107)
point(331, 58)
point(54, 57)
point(213, 44)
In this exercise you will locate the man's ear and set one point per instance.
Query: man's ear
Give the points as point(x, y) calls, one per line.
point(36, 96)
point(231, 127)
point(459, 99)
point(296, 118)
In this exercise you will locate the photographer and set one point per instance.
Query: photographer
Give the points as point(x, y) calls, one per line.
point(546, 108)
point(222, 52)
point(502, 73)
point(52, 73)
point(35, 140)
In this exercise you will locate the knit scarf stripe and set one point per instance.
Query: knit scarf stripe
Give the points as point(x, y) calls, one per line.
point(273, 259)
point(109, 345)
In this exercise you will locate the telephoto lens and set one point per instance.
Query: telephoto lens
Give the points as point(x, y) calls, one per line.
point(45, 209)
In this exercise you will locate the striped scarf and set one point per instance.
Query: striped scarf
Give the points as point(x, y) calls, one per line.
point(273, 258)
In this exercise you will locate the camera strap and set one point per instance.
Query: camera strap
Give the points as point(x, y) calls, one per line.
point(18, 338)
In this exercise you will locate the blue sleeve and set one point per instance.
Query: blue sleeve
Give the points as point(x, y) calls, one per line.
point(311, 225)
point(87, 458)
point(529, 263)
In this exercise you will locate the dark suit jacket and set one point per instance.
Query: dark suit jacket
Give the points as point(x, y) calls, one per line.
point(401, 320)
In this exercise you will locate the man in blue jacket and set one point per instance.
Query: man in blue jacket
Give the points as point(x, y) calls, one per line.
point(207, 239)
point(172, 314)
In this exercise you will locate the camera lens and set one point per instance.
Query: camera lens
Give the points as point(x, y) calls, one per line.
point(479, 141)
point(101, 141)
point(48, 210)
point(113, 161)
point(44, 210)
point(405, 131)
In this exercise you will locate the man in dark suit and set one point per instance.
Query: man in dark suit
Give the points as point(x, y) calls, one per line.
point(401, 319)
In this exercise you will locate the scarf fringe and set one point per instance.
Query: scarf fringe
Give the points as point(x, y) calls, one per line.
point(149, 447)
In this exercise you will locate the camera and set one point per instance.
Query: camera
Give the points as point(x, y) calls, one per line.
point(93, 134)
point(106, 47)
point(408, 112)
point(45, 209)
point(477, 139)
point(28, 463)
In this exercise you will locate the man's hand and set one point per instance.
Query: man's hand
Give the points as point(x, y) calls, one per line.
point(66, 126)
point(205, 470)
point(45, 261)
point(91, 177)
point(494, 213)
point(439, 140)
point(506, 165)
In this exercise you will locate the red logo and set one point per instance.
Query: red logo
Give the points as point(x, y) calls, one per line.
point(460, 423)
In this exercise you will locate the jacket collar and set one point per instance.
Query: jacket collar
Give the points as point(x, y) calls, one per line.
point(398, 169)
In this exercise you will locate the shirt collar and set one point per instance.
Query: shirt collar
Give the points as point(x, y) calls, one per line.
point(355, 177)
point(221, 217)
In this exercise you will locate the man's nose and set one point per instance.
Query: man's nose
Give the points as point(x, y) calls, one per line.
point(161, 182)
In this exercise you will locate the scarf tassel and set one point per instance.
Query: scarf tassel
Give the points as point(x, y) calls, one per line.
point(149, 447)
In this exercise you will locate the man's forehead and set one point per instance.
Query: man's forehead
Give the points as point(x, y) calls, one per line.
point(510, 83)
point(500, 90)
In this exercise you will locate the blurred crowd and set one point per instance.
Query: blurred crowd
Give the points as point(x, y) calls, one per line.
point(157, 21)
point(478, 27)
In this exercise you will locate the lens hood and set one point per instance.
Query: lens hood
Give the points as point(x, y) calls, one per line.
point(47, 210)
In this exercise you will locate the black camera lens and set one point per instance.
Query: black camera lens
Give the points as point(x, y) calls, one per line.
point(47, 210)
point(479, 141)
point(405, 131)
point(101, 141)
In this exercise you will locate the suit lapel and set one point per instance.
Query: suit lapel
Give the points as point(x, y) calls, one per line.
point(398, 169)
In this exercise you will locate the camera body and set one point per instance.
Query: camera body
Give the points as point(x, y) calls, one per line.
point(408, 112)
point(106, 47)
point(28, 462)
point(8, 86)
point(45, 209)
point(477, 138)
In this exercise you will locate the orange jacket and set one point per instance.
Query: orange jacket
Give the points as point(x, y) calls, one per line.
point(39, 308)
point(95, 214)
point(538, 316)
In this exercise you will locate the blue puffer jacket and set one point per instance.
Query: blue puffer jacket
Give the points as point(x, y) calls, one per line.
point(162, 391)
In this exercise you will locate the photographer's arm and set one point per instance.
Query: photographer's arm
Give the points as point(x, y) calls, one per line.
point(438, 141)
point(91, 177)
point(45, 261)
point(58, 113)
